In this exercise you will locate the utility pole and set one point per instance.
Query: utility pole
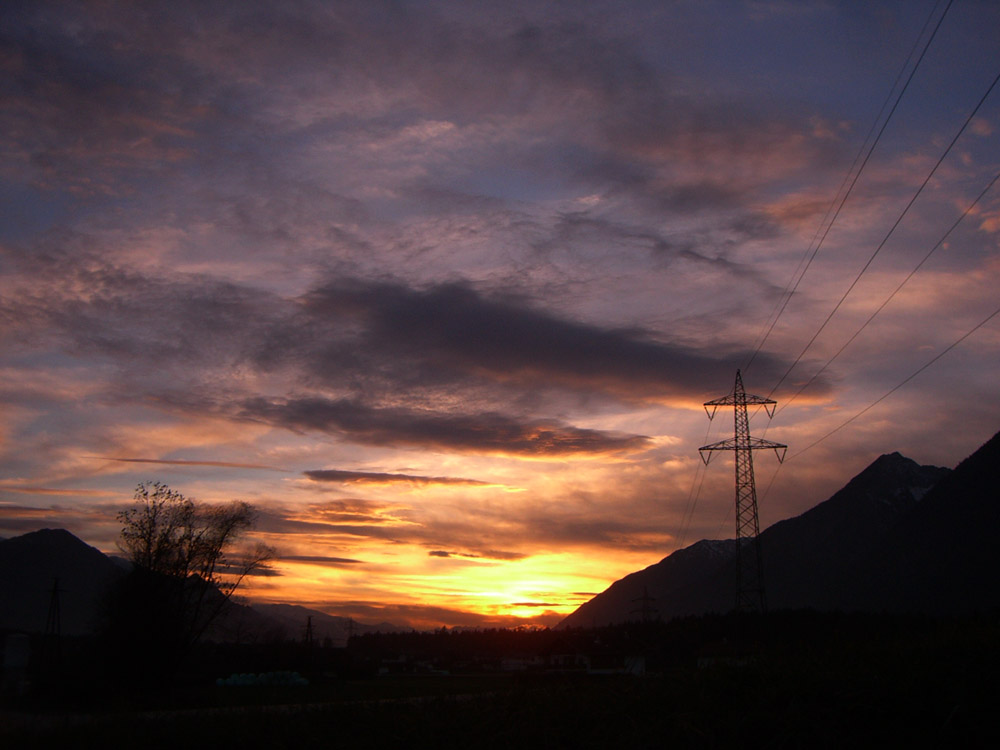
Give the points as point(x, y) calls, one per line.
point(749, 567)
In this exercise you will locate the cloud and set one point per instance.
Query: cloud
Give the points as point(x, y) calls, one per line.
point(325, 561)
point(487, 433)
point(371, 477)
point(350, 516)
point(451, 330)
point(179, 462)
point(372, 338)
point(8, 510)
point(484, 555)
point(92, 101)
point(32, 490)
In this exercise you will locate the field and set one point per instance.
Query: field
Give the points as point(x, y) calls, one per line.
point(813, 682)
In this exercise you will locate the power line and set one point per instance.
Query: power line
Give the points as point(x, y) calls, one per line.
point(694, 493)
point(890, 232)
point(824, 227)
point(787, 295)
point(895, 388)
point(888, 299)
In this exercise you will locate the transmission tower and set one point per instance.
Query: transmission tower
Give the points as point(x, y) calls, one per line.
point(749, 568)
point(51, 640)
point(646, 610)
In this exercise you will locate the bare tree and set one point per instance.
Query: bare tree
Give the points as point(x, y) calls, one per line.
point(188, 559)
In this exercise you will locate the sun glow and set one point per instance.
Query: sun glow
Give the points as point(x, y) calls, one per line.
point(542, 588)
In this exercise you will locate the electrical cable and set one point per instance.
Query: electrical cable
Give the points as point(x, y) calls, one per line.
point(895, 388)
point(892, 229)
point(789, 294)
point(888, 299)
point(690, 505)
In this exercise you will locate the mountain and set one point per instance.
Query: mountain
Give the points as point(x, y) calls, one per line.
point(293, 618)
point(942, 557)
point(818, 558)
point(682, 579)
point(30, 565)
point(898, 537)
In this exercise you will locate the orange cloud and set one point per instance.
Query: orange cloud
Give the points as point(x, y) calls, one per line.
point(373, 477)
point(178, 462)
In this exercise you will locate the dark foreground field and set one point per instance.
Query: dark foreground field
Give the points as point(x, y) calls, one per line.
point(784, 681)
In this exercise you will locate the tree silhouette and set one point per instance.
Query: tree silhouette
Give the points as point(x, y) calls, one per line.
point(187, 559)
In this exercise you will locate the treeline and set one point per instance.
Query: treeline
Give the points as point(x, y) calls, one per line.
point(74, 666)
point(787, 679)
point(684, 639)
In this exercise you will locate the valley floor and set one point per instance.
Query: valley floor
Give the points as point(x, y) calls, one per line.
point(784, 681)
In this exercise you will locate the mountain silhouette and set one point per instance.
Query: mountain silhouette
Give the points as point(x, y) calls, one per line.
point(31, 563)
point(293, 618)
point(899, 537)
point(941, 557)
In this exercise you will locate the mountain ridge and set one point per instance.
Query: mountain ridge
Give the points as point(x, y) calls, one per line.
point(32, 563)
point(874, 545)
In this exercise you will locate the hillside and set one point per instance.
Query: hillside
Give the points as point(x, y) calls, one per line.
point(899, 537)
point(30, 565)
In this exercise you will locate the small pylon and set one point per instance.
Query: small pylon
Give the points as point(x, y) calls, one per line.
point(646, 610)
point(750, 570)
point(52, 638)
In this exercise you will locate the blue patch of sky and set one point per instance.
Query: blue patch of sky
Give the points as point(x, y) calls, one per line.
point(29, 211)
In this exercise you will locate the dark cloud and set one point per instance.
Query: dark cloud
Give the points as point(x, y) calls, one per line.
point(495, 554)
point(91, 98)
point(455, 329)
point(349, 516)
point(371, 477)
point(262, 571)
point(484, 555)
point(489, 433)
point(330, 562)
point(399, 351)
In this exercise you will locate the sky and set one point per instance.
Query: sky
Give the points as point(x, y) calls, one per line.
point(441, 287)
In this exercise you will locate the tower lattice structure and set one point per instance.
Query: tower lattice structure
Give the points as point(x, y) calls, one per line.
point(750, 570)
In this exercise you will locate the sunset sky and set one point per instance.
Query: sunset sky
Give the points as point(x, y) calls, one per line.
point(441, 287)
